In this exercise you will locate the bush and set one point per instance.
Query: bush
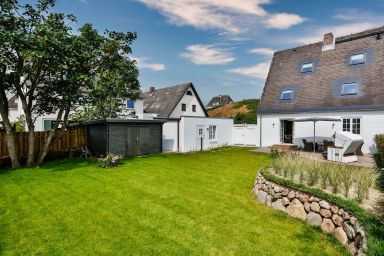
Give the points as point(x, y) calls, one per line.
point(379, 157)
point(109, 161)
point(245, 118)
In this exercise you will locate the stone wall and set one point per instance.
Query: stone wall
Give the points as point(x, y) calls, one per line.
point(315, 211)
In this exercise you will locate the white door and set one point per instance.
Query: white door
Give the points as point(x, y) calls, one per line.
point(238, 135)
point(200, 137)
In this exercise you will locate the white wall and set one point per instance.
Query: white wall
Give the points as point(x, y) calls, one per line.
point(189, 139)
point(372, 123)
point(189, 100)
point(170, 139)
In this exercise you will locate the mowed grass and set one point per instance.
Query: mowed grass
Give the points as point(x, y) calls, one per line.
point(168, 204)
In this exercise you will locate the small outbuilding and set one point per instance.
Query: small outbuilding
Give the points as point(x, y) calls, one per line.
point(126, 137)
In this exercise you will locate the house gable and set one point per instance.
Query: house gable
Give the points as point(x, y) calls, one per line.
point(166, 102)
point(190, 99)
point(322, 89)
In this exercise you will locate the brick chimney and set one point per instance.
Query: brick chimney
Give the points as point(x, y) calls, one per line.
point(151, 89)
point(328, 42)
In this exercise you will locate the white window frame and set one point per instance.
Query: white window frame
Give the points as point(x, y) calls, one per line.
point(182, 105)
point(212, 133)
point(347, 84)
point(306, 64)
point(351, 122)
point(363, 60)
point(284, 92)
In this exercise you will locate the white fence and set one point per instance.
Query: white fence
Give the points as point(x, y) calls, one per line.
point(245, 134)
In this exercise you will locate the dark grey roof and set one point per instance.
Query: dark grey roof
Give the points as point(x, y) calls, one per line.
point(219, 100)
point(118, 120)
point(320, 91)
point(163, 101)
point(12, 102)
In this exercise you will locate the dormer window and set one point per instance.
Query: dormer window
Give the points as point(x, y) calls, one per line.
point(286, 95)
point(357, 59)
point(307, 67)
point(189, 93)
point(349, 89)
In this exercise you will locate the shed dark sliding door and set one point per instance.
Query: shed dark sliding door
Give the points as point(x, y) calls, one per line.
point(132, 141)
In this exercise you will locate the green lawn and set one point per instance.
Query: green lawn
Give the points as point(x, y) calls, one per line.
point(169, 204)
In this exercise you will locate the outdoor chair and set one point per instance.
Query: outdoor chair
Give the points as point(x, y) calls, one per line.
point(328, 143)
point(85, 152)
point(308, 146)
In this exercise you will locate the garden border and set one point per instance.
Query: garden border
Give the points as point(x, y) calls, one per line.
point(369, 226)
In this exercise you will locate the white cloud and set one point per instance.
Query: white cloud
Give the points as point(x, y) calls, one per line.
point(340, 30)
point(142, 63)
point(260, 70)
point(283, 20)
point(83, 1)
point(207, 55)
point(231, 16)
point(263, 51)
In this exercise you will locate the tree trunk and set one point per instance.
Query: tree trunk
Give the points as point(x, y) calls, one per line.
point(12, 148)
point(51, 137)
point(9, 135)
point(31, 141)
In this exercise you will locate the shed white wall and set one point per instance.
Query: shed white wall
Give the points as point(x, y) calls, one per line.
point(170, 139)
point(189, 100)
point(371, 123)
point(189, 140)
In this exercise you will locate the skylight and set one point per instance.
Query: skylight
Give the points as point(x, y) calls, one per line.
point(307, 67)
point(286, 95)
point(349, 89)
point(357, 59)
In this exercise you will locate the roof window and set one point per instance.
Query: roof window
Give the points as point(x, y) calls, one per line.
point(307, 67)
point(357, 59)
point(286, 95)
point(349, 89)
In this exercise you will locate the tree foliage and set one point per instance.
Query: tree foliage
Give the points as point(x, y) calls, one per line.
point(55, 71)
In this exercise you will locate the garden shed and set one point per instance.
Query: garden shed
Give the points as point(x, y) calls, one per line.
point(126, 137)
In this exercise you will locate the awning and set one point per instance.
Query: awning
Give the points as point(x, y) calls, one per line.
point(317, 119)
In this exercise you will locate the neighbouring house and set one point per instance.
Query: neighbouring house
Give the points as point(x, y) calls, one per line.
point(219, 100)
point(338, 78)
point(42, 123)
point(187, 126)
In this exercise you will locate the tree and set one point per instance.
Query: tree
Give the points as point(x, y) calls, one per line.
point(53, 70)
point(32, 43)
point(97, 72)
point(116, 79)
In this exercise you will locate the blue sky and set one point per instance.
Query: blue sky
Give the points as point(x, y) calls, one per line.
point(222, 46)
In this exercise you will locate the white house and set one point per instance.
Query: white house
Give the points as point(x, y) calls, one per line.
point(340, 78)
point(187, 127)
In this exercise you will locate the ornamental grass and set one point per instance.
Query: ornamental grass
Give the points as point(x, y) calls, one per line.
point(340, 178)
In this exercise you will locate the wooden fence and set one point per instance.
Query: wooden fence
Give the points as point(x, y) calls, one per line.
point(71, 139)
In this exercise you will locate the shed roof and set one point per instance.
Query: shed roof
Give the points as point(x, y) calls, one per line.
point(125, 121)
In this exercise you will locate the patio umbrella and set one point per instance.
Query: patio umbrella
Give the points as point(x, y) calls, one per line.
point(314, 120)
